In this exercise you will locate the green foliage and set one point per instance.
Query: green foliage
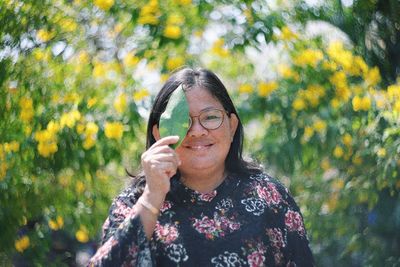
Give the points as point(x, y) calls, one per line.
point(77, 79)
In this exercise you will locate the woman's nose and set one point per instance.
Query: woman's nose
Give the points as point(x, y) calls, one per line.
point(196, 129)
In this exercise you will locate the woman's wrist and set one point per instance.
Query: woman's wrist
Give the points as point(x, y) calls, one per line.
point(151, 201)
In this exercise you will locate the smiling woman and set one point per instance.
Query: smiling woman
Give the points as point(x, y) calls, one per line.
point(202, 204)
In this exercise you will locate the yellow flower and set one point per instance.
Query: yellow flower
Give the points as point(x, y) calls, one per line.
point(80, 187)
point(140, 95)
point(286, 72)
point(46, 149)
point(3, 170)
point(219, 49)
point(99, 70)
point(309, 57)
point(53, 127)
point(70, 118)
point(373, 77)
point(120, 103)
point(299, 104)
point(82, 235)
point(22, 243)
point(172, 32)
point(265, 89)
point(184, 2)
point(361, 103)
point(325, 165)
point(104, 4)
point(53, 225)
point(83, 57)
point(245, 88)
point(175, 19)
point(113, 130)
point(68, 24)
point(393, 92)
point(381, 152)
point(44, 35)
point(174, 62)
point(130, 60)
point(338, 152)
point(89, 142)
point(337, 184)
point(27, 112)
point(320, 126)
point(287, 34)
point(347, 139)
point(91, 128)
point(149, 13)
point(13, 146)
point(91, 102)
point(308, 133)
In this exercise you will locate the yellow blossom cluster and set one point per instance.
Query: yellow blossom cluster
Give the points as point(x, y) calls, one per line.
point(56, 224)
point(44, 35)
point(381, 152)
point(287, 34)
point(174, 62)
point(82, 235)
point(26, 105)
point(149, 13)
point(130, 60)
point(104, 4)
point(120, 103)
point(361, 103)
point(22, 243)
point(245, 88)
point(218, 48)
point(173, 28)
point(310, 96)
point(70, 118)
point(68, 24)
point(12, 146)
point(342, 90)
point(318, 126)
point(80, 187)
point(114, 130)
point(47, 139)
point(286, 72)
point(183, 2)
point(266, 88)
point(140, 94)
point(393, 95)
point(310, 57)
point(90, 134)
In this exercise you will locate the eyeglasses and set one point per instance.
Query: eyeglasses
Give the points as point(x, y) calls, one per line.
point(210, 119)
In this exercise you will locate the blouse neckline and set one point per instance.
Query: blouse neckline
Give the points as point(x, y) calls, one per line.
point(181, 193)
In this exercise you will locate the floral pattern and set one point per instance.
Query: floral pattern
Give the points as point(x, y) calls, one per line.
point(246, 221)
point(216, 227)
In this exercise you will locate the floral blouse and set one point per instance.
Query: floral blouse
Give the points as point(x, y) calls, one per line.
point(245, 221)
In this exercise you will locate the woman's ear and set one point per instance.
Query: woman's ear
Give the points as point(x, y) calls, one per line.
point(233, 122)
point(156, 132)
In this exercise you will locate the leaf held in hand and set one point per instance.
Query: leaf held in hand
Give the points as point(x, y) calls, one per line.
point(175, 118)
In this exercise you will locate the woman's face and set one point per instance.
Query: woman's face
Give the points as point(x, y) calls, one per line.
point(203, 150)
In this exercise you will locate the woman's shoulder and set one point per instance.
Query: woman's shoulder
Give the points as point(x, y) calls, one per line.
point(130, 193)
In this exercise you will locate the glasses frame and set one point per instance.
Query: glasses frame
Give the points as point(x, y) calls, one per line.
point(207, 110)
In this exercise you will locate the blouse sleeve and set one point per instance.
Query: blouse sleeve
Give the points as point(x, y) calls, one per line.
point(297, 241)
point(124, 241)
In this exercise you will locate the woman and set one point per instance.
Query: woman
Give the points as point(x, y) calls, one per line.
point(202, 204)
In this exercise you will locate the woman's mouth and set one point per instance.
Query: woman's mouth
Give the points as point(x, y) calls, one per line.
point(198, 146)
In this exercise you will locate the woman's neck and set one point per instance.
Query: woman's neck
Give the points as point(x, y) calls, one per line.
point(203, 182)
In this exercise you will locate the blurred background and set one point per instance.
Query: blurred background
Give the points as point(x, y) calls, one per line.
point(316, 84)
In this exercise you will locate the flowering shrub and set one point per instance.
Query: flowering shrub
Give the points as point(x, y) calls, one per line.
point(74, 94)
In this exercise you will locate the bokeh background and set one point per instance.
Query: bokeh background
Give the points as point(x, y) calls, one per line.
point(316, 84)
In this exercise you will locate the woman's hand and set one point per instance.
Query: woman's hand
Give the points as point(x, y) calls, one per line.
point(160, 162)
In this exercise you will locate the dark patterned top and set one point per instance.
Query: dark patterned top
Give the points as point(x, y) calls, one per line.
point(245, 221)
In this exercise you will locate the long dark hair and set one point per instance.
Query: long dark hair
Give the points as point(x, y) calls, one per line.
point(203, 78)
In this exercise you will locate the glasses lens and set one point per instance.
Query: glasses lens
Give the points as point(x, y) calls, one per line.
point(211, 119)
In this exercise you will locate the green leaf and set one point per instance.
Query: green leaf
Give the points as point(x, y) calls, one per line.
point(175, 118)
